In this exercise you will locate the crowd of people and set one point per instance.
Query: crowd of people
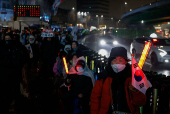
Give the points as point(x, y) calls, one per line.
point(33, 71)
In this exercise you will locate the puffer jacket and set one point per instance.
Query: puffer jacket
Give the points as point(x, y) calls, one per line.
point(101, 100)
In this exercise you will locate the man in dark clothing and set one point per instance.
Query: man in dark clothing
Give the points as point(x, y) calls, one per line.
point(13, 57)
point(48, 55)
point(33, 50)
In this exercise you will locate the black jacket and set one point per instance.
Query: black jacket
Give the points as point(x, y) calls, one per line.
point(80, 84)
point(49, 52)
point(12, 58)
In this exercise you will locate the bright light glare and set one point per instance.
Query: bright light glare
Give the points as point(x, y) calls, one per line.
point(125, 2)
point(78, 13)
point(162, 53)
point(102, 42)
point(166, 61)
point(153, 35)
point(102, 52)
point(142, 21)
point(104, 32)
point(115, 42)
point(73, 8)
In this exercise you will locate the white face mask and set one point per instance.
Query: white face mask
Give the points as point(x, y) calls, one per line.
point(79, 69)
point(118, 67)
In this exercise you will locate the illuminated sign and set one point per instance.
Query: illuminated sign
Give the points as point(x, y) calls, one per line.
point(27, 10)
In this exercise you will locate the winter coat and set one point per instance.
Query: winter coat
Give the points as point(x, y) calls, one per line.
point(12, 59)
point(49, 52)
point(80, 84)
point(58, 66)
point(101, 99)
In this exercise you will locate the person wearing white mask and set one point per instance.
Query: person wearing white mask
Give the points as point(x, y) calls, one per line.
point(81, 81)
point(33, 50)
point(113, 92)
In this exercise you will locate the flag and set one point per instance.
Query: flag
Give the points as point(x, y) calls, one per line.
point(55, 11)
point(74, 33)
point(139, 80)
point(55, 5)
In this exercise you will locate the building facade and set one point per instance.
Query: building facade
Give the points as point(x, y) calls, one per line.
point(96, 13)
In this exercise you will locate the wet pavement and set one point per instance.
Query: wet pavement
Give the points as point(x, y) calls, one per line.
point(94, 42)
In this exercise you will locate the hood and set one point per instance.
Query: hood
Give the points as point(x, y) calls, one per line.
point(86, 72)
point(67, 47)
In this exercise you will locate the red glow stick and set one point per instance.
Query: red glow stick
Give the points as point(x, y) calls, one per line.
point(144, 54)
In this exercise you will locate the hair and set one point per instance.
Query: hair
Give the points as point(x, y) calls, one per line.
point(75, 42)
point(8, 34)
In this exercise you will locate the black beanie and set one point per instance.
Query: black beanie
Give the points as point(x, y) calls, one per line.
point(82, 63)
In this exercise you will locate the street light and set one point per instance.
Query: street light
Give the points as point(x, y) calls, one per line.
point(142, 21)
point(125, 7)
point(101, 15)
point(130, 9)
point(73, 8)
point(97, 16)
point(112, 18)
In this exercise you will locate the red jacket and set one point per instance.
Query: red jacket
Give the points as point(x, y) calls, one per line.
point(101, 101)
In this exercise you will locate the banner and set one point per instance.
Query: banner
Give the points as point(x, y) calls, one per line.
point(47, 33)
point(139, 80)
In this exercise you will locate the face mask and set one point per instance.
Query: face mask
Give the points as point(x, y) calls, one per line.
point(80, 69)
point(118, 67)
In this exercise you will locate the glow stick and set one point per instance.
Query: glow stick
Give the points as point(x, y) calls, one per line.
point(144, 54)
point(65, 64)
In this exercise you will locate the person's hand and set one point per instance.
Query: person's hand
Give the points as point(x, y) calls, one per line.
point(80, 95)
point(68, 80)
point(132, 88)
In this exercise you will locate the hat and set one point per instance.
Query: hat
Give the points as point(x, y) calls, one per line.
point(119, 51)
point(82, 63)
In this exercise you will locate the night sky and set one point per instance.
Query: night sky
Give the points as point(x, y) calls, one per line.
point(116, 6)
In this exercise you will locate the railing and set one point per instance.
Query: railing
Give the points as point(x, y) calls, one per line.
point(146, 7)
